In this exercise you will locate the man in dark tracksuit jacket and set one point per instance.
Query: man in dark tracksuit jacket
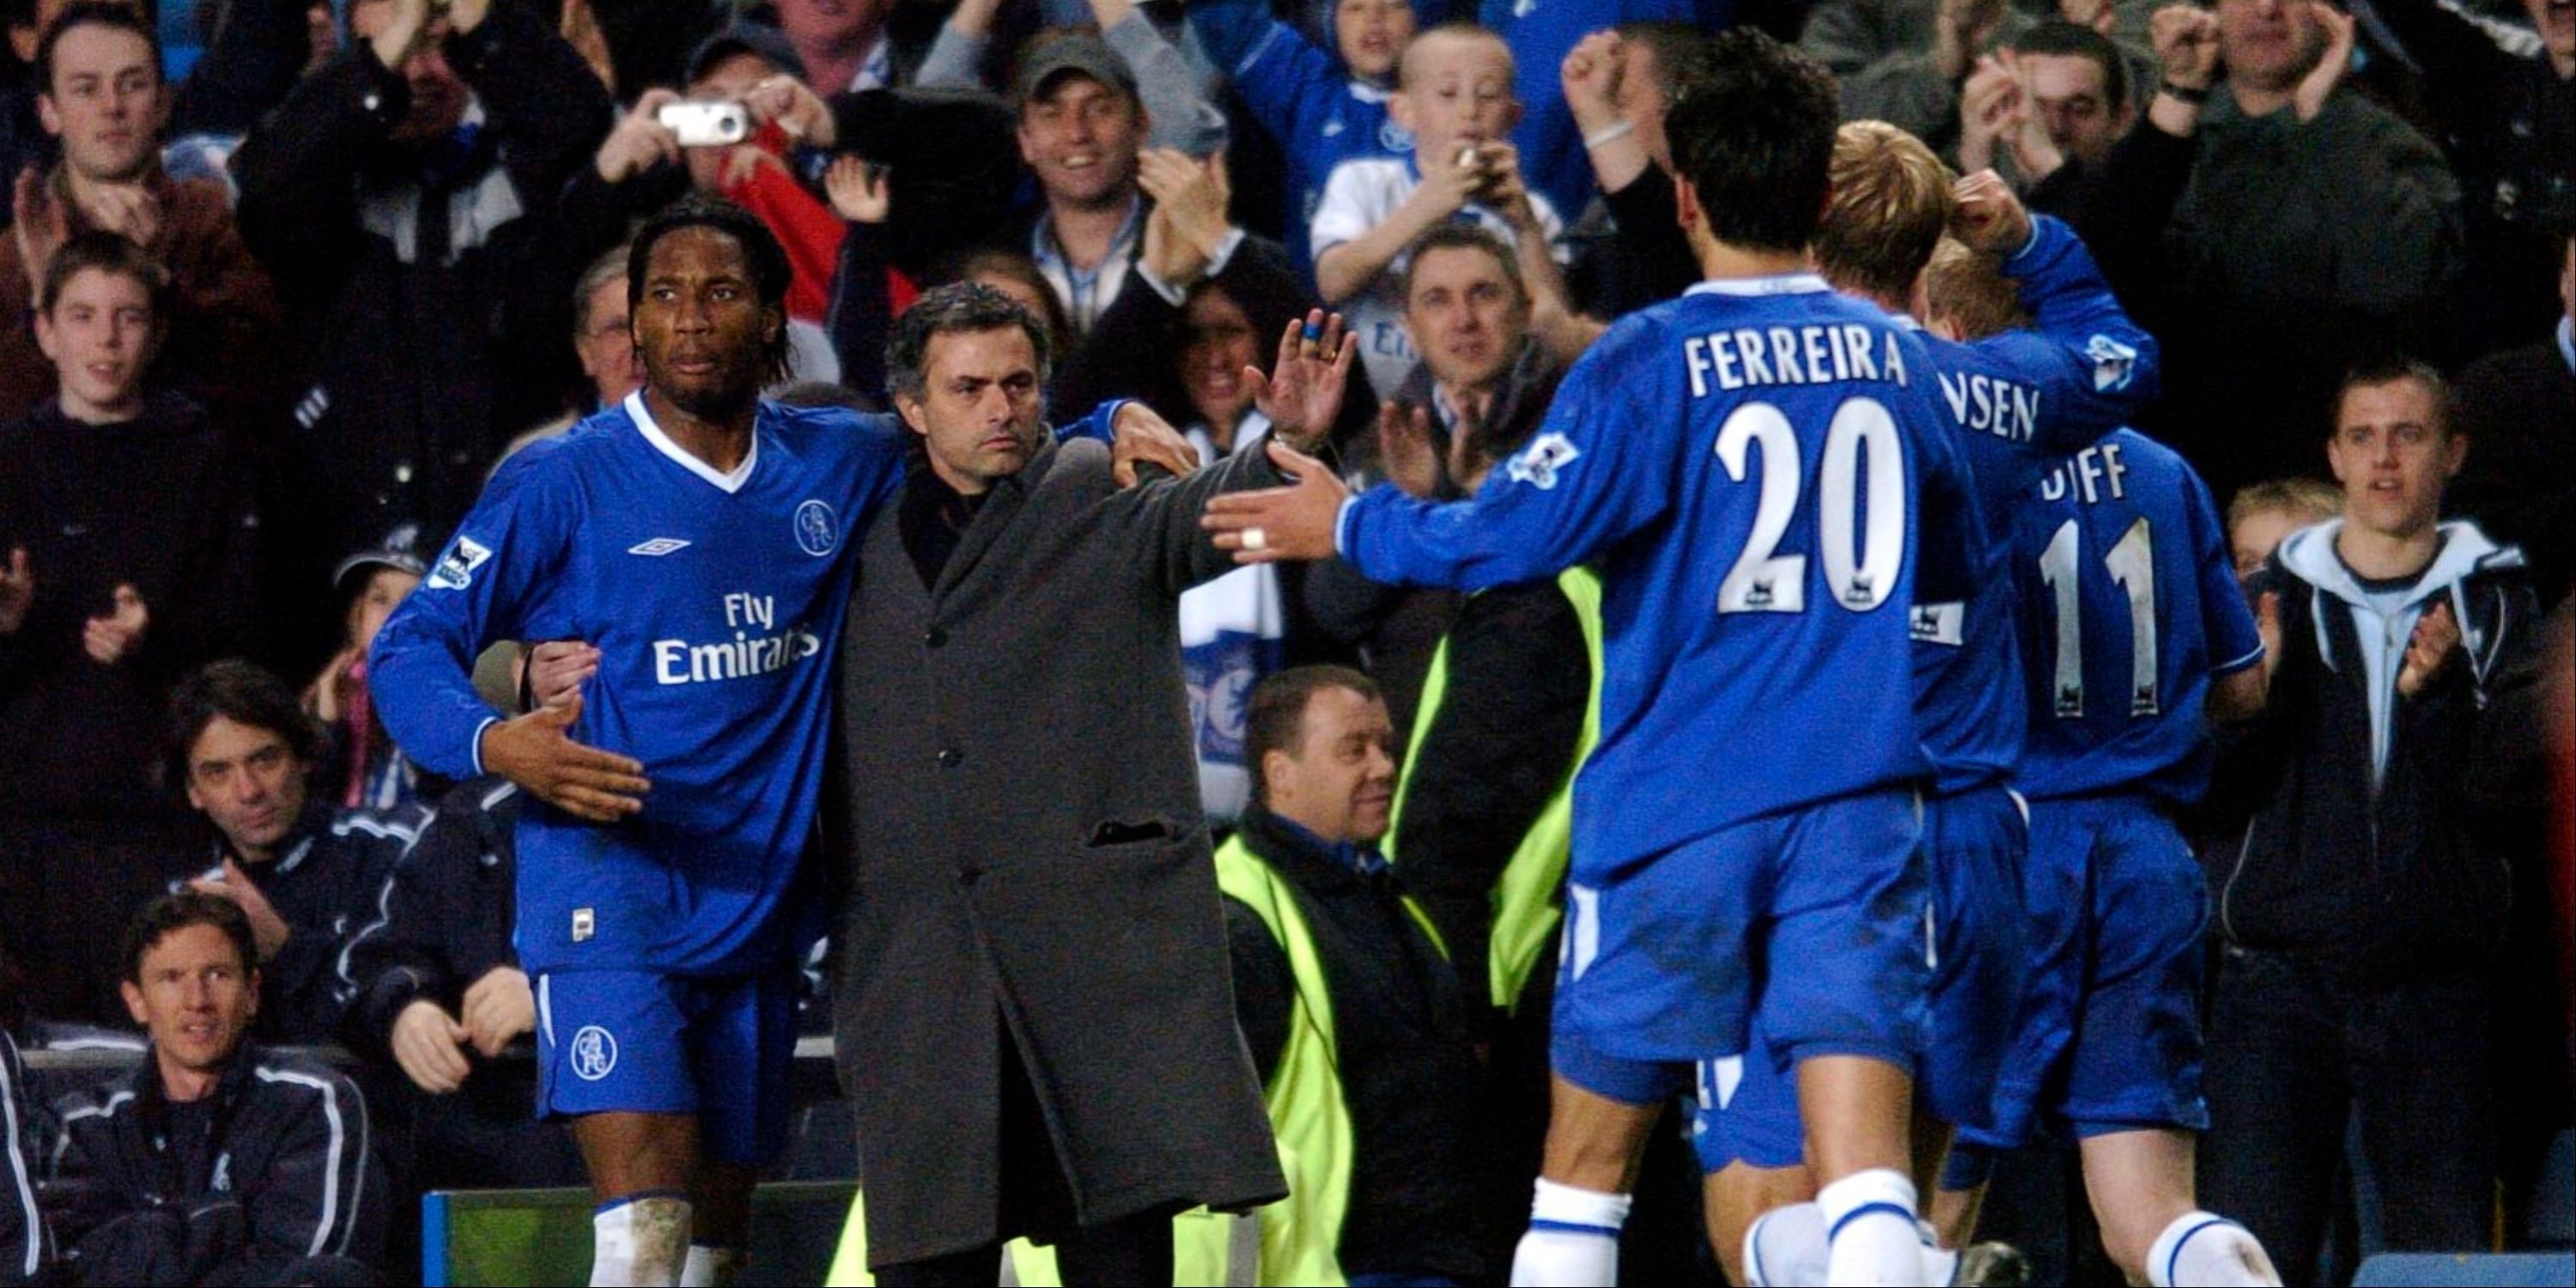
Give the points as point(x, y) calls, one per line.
point(307, 876)
point(26, 1249)
point(440, 941)
point(213, 1161)
point(2365, 907)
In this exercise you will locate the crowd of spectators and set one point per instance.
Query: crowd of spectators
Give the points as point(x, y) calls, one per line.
point(274, 317)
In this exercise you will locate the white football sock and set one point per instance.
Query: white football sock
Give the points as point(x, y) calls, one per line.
point(1786, 1248)
point(709, 1266)
point(639, 1241)
point(1573, 1239)
point(1940, 1265)
point(1870, 1236)
point(2203, 1248)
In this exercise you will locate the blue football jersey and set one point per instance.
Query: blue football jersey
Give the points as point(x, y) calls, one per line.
point(2020, 401)
point(1741, 466)
point(2131, 606)
point(716, 603)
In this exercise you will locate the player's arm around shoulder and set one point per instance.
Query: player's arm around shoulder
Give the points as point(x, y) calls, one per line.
point(420, 670)
point(516, 545)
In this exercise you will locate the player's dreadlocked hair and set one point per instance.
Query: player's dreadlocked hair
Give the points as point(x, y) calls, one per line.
point(761, 253)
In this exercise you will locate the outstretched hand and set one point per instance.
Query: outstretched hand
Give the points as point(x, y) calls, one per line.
point(1302, 396)
point(536, 752)
point(1292, 522)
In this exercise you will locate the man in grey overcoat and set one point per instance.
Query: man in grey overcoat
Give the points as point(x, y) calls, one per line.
point(1033, 1015)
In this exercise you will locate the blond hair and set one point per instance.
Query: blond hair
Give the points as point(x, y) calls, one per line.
point(1968, 289)
point(2310, 499)
point(1891, 200)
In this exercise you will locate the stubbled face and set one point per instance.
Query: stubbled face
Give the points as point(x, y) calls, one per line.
point(728, 80)
point(1339, 780)
point(99, 335)
point(1081, 137)
point(829, 23)
point(248, 781)
point(195, 999)
point(2074, 105)
point(2268, 44)
point(2257, 535)
point(606, 344)
point(1217, 343)
point(2393, 456)
point(438, 94)
point(2556, 21)
point(1465, 319)
point(700, 324)
point(384, 592)
point(1457, 91)
point(106, 102)
point(979, 410)
point(1372, 34)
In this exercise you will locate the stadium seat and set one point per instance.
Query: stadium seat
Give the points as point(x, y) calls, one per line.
point(2468, 1270)
point(543, 1236)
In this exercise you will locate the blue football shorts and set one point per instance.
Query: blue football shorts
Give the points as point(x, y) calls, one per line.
point(2108, 1034)
point(722, 1048)
point(1805, 929)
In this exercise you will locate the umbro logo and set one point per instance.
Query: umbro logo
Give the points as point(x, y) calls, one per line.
point(657, 546)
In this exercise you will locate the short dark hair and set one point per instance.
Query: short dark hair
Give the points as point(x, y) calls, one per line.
point(2075, 40)
point(1462, 236)
point(955, 308)
point(1275, 718)
point(244, 693)
point(108, 253)
point(2388, 369)
point(1681, 52)
point(1754, 139)
point(93, 13)
point(173, 912)
point(770, 272)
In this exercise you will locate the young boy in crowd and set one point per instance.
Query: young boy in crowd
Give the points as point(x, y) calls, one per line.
point(1454, 91)
point(1322, 111)
point(128, 555)
point(2263, 515)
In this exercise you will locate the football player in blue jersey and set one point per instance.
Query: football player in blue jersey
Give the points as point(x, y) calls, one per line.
point(702, 539)
point(2135, 638)
point(1743, 466)
point(2017, 401)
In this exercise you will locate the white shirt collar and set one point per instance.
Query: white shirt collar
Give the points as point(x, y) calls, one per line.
point(1777, 284)
point(727, 482)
